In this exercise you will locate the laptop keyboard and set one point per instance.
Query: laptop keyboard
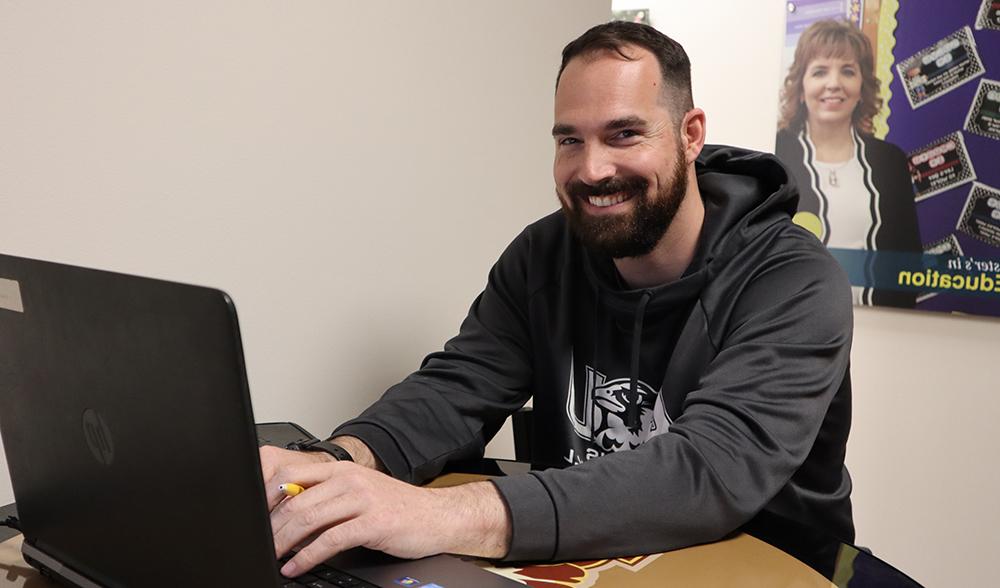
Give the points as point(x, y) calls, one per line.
point(323, 576)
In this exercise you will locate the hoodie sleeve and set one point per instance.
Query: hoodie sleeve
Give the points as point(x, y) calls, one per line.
point(453, 405)
point(743, 432)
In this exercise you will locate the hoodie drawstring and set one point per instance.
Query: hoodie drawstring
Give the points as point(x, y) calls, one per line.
point(633, 394)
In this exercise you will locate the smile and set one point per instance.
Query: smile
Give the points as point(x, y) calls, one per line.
point(604, 201)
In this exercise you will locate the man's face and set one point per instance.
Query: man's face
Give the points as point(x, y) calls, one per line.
point(620, 169)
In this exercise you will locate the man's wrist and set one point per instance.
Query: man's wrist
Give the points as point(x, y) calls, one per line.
point(475, 518)
point(360, 453)
point(332, 449)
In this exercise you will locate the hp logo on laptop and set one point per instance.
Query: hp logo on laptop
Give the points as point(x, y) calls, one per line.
point(98, 437)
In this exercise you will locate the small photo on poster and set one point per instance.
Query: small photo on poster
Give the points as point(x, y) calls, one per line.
point(940, 166)
point(947, 246)
point(984, 115)
point(639, 15)
point(989, 15)
point(981, 215)
point(940, 68)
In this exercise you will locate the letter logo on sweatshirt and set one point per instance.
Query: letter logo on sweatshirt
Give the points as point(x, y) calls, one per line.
point(602, 417)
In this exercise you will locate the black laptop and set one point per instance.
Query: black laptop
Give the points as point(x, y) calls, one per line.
point(129, 434)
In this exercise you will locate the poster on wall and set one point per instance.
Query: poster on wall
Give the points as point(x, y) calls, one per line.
point(889, 121)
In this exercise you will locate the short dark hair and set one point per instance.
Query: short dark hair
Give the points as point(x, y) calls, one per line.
point(675, 67)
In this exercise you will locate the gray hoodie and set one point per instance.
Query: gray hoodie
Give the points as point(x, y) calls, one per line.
point(673, 415)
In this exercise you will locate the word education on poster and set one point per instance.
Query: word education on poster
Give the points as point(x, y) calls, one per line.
point(889, 121)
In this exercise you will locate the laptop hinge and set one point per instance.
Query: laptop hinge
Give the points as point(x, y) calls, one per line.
point(55, 567)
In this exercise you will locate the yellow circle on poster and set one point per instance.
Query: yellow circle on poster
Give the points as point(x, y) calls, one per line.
point(809, 222)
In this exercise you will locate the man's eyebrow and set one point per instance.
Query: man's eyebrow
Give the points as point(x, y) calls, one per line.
point(560, 129)
point(625, 123)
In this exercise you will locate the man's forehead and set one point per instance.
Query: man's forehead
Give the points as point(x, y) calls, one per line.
point(627, 63)
point(603, 89)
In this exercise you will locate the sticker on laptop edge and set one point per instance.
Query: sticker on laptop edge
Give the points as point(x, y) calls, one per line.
point(981, 215)
point(940, 166)
point(10, 295)
point(940, 68)
point(408, 581)
point(989, 15)
point(984, 114)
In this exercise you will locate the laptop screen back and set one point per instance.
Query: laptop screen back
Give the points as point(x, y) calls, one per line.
point(124, 405)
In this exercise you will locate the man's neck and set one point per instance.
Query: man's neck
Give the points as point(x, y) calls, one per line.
point(675, 251)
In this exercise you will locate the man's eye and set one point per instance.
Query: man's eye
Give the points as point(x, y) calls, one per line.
point(627, 134)
point(568, 141)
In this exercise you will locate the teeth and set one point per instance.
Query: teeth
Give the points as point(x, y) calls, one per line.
point(607, 200)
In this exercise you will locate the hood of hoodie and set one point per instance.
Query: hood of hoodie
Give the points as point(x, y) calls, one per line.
point(744, 193)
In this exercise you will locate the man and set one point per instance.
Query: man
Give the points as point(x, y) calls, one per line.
point(685, 344)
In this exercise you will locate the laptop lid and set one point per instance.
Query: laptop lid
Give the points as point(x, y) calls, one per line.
point(128, 429)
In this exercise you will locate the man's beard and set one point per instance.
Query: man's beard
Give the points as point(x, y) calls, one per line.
point(634, 233)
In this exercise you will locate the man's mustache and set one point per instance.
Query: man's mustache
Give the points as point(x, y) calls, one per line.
point(631, 185)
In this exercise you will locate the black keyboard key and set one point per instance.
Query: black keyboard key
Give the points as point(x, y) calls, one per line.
point(323, 576)
point(329, 573)
point(340, 579)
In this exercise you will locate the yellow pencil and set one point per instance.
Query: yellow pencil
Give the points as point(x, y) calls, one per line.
point(291, 489)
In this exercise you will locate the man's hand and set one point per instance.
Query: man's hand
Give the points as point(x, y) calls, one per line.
point(273, 458)
point(346, 505)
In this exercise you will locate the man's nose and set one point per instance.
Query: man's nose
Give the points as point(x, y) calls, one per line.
point(597, 164)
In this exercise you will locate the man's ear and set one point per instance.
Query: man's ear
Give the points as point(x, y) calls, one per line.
point(693, 133)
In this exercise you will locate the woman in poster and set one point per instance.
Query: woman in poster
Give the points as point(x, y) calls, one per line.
point(855, 189)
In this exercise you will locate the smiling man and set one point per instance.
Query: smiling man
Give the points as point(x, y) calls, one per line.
point(685, 345)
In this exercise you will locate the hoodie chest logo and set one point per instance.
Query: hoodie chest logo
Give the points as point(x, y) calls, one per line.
point(600, 416)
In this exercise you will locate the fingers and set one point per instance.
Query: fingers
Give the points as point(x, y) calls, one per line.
point(325, 516)
point(329, 543)
point(310, 514)
point(269, 458)
point(281, 466)
point(325, 502)
point(344, 505)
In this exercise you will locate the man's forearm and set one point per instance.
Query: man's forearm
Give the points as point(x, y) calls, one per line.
point(474, 520)
point(473, 517)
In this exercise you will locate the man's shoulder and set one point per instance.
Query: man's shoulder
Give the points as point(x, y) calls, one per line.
point(797, 243)
point(786, 252)
point(535, 253)
point(544, 237)
point(789, 272)
point(552, 224)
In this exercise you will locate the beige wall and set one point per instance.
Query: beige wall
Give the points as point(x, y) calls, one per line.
point(351, 192)
point(348, 171)
point(924, 440)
